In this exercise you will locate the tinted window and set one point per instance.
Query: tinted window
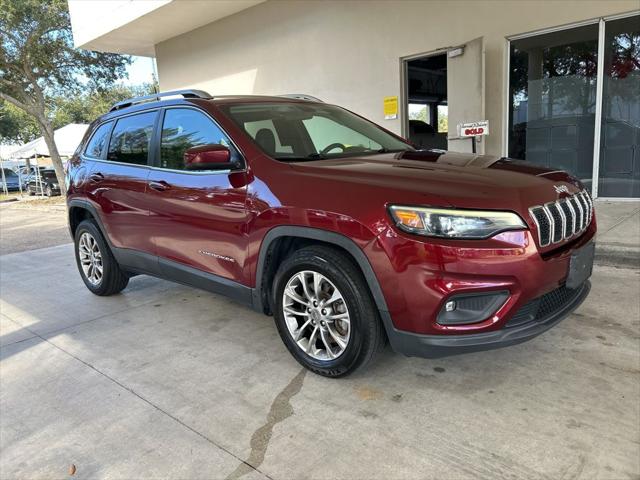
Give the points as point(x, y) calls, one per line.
point(131, 139)
point(98, 143)
point(50, 175)
point(185, 128)
point(9, 173)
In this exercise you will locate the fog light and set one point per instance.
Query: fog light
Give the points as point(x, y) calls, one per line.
point(471, 307)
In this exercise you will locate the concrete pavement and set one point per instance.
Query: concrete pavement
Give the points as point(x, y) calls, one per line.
point(618, 241)
point(167, 381)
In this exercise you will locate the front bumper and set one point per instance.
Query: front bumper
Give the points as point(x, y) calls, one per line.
point(435, 346)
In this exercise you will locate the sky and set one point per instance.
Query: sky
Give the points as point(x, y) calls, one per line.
point(140, 71)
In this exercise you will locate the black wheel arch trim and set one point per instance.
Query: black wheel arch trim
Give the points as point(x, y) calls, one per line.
point(325, 236)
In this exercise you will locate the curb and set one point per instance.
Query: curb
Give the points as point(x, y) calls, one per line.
point(618, 256)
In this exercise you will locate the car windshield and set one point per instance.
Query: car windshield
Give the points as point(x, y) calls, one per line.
point(9, 173)
point(50, 175)
point(302, 132)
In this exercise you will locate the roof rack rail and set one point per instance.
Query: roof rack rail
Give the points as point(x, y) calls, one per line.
point(159, 96)
point(301, 96)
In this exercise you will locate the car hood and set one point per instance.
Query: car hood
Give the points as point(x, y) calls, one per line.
point(449, 179)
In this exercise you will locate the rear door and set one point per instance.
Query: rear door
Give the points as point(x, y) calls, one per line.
point(118, 182)
point(466, 92)
point(197, 218)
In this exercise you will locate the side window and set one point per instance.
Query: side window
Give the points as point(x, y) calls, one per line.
point(131, 139)
point(98, 143)
point(182, 129)
point(324, 131)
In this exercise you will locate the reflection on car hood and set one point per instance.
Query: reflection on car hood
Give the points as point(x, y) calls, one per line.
point(464, 180)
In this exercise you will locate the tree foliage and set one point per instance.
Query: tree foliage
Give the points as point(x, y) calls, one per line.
point(18, 126)
point(39, 62)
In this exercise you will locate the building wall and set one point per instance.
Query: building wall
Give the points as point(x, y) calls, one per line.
point(348, 52)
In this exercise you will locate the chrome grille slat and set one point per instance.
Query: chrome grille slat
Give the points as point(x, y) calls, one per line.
point(560, 220)
point(568, 222)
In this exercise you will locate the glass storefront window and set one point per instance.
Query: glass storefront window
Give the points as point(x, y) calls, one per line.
point(552, 90)
point(619, 170)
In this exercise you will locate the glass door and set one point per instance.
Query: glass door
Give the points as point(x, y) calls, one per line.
point(619, 168)
point(552, 99)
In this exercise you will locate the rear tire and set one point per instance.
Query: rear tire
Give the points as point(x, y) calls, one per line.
point(98, 267)
point(349, 333)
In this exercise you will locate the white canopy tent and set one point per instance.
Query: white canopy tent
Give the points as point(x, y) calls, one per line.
point(67, 140)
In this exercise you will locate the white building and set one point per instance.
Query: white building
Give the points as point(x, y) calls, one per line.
point(565, 72)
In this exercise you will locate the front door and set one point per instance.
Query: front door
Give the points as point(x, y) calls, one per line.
point(197, 218)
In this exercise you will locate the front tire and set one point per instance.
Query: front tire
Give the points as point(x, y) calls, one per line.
point(97, 266)
point(324, 312)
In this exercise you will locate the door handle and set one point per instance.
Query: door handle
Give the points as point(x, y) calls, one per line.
point(160, 186)
point(96, 177)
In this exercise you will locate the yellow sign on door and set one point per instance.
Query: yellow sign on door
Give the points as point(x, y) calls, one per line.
point(390, 108)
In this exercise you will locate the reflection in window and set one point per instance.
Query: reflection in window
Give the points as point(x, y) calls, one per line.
point(184, 128)
point(131, 139)
point(98, 143)
point(552, 88)
point(619, 174)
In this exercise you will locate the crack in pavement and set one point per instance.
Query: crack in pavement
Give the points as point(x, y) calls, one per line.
point(280, 410)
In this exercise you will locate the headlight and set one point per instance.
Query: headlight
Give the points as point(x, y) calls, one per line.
point(451, 223)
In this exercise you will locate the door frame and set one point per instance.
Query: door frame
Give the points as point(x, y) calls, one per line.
point(601, 21)
point(404, 79)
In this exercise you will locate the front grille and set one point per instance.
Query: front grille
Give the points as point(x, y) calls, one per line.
point(562, 219)
point(544, 306)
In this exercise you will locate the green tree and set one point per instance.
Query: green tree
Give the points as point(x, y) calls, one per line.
point(38, 62)
point(16, 125)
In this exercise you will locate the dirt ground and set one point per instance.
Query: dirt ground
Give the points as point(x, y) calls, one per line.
point(33, 224)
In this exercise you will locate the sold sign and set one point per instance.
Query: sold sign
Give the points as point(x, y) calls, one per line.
point(473, 129)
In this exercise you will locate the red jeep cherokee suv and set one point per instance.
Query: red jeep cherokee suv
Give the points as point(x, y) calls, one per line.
point(342, 230)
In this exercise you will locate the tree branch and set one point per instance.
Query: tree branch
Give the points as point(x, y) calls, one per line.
point(22, 106)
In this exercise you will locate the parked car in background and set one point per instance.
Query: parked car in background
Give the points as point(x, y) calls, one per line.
point(25, 174)
point(342, 230)
point(11, 180)
point(47, 184)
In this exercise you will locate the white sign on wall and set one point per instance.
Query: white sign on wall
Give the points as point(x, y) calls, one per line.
point(473, 129)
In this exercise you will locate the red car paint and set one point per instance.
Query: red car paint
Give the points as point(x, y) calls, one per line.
point(231, 214)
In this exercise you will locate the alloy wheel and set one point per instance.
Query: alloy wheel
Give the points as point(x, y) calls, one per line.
point(90, 258)
point(316, 315)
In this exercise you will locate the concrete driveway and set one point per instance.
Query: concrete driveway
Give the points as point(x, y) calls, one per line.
point(168, 381)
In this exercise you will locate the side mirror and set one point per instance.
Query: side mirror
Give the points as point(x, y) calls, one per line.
point(208, 157)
